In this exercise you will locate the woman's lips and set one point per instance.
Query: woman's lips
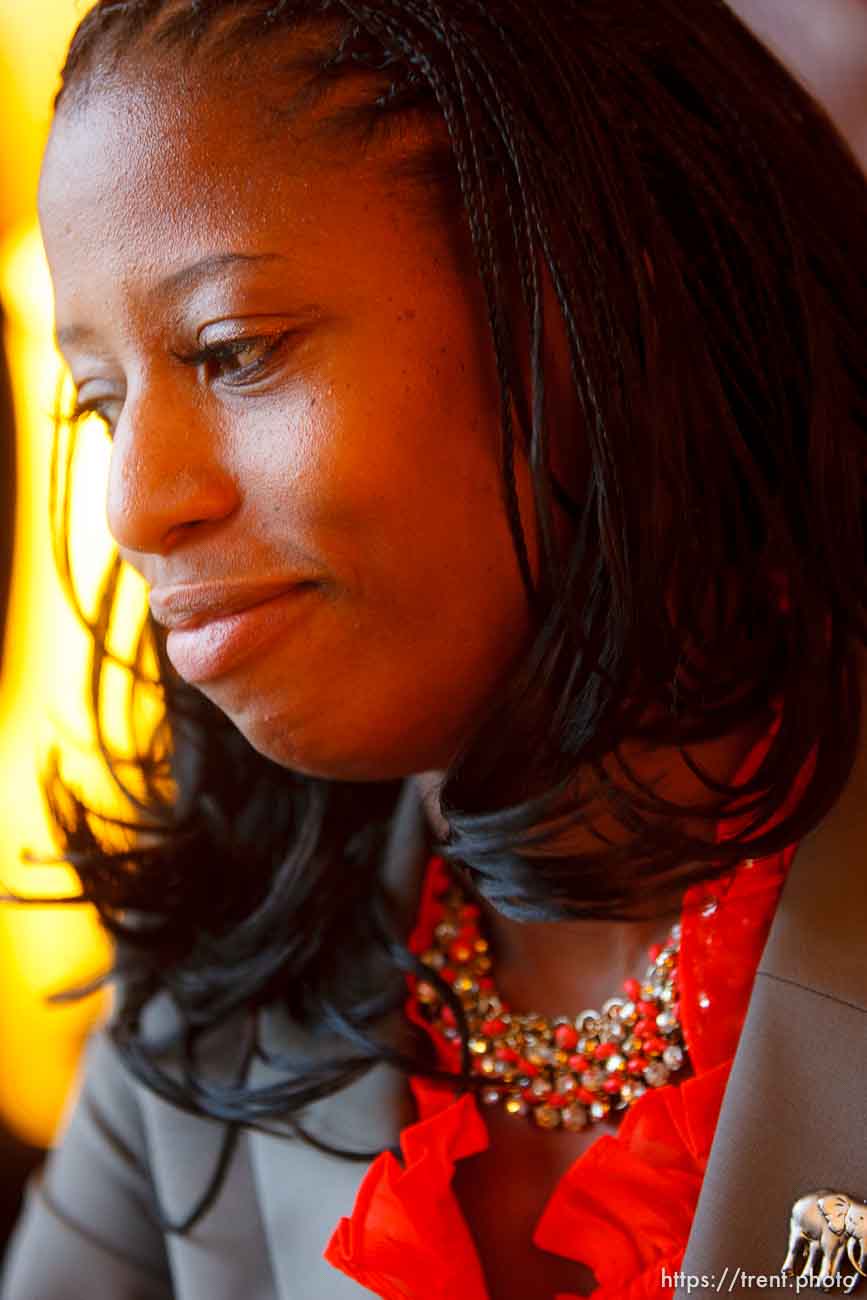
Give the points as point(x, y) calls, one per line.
point(217, 645)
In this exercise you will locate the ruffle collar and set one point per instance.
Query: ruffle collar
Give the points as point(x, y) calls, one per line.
point(625, 1206)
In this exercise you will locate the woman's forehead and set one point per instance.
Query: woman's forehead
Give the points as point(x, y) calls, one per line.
point(159, 118)
point(157, 101)
point(128, 177)
point(136, 188)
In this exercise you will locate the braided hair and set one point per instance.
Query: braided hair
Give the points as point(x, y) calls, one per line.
point(659, 167)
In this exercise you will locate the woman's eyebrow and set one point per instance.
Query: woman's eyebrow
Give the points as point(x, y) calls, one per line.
point(188, 277)
point(184, 279)
point(71, 335)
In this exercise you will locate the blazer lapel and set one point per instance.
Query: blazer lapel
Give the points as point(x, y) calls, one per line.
point(793, 1116)
point(304, 1192)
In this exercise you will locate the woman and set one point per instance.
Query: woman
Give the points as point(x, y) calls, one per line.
point(486, 387)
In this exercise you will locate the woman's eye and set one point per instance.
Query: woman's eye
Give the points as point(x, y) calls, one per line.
point(104, 408)
point(236, 361)
point(232, 358)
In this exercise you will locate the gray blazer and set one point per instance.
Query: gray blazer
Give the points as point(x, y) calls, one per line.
point(793, 1121)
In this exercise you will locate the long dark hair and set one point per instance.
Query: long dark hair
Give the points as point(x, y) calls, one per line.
point(701, 225)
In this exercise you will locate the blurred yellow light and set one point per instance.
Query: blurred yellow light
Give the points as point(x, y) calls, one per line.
point(43, 681)
point(42, 702)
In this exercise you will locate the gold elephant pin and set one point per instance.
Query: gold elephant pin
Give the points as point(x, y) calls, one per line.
point(827, 1224)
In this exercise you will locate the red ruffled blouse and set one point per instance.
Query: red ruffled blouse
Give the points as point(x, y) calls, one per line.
point(625, 1207)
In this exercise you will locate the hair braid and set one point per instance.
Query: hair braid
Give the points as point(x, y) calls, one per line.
point(491, 271)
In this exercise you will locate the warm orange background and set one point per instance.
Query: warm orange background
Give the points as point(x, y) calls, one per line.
point(41, 949)
point(41, 690)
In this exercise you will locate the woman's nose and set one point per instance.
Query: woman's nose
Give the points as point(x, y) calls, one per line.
point(166, 474)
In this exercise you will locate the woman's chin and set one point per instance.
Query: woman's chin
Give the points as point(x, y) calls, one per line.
point(346, 756)
point(299, 750)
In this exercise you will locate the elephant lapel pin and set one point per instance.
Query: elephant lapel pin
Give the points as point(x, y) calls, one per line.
point(827, 1233)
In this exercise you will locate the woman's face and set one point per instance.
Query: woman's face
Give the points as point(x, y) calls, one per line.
point(295, 362)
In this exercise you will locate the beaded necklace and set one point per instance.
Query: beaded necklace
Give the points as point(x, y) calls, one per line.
point(562, 1072)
